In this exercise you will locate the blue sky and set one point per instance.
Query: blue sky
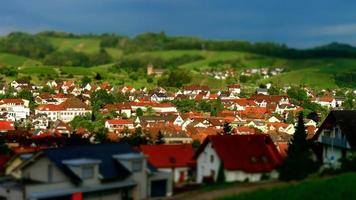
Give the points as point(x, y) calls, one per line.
point(298, 23)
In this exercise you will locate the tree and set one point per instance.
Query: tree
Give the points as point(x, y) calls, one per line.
point(101, 135)
point(97, 77)
point(298, 164)
point(243, 79)
point(196, 144)
point(101, 97)
point(25, 94)
point(216, 107)
point(159, 138)
point(297, 93)
point(221, 173)
point(85, 80)
point(290, 118)
point(149, 110)
point(139, 112)
point(274, 90)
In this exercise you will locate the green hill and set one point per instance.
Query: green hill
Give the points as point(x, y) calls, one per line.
point(329, 66)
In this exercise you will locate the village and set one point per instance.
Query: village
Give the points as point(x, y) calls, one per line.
point(51, 127)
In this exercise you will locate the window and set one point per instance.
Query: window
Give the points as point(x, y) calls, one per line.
point(211, 158)
point(87, 172)
point(136, 165)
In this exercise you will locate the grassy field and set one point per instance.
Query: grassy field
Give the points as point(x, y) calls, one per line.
point(340, 187)
point(15, 60)
point(318, 73)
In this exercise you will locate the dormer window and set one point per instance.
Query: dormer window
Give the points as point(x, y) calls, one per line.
point(85, 168)
point(132, 161)
point(88, 172)
point(136, 165)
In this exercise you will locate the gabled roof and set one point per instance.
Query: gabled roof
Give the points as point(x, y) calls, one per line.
point(68, 104)
point(120, 121)
point(12, 101)
point(249, 153)
point(168, 156)
point(346, 119)
point(109, 167)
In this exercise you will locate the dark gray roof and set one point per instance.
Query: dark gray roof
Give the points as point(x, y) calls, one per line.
point(109, 167)
point(346, 119)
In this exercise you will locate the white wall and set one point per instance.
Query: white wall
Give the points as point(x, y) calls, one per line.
point(204, 164)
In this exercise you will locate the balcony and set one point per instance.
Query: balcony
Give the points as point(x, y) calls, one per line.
point(338, 142)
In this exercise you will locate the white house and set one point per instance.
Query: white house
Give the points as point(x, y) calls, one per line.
point(326, 101)
point(239, 157)
point(234, 88)
point(336, 134)
point(164, 108)
point(119, 124)
point(17, 108)
point(65, 111)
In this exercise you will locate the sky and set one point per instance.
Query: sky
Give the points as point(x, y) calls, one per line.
point(297, 23)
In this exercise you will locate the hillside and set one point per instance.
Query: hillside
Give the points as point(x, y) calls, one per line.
point(318, 72)
point(340, 187)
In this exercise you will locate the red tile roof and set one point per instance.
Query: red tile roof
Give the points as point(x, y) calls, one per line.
point(69, 103)
point(12, 101)
point(168, 156)
point(234, 86)
point(6, 126)
point(249, 153)
point(120, 121)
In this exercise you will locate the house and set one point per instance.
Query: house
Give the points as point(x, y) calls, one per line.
point(327, 101)
point(40, 121)
point(120, 108)
point(337, 135)
point(65, 111)
point(119, 124)
point(19, 83)
point(17, 108)
point(158, 97)
point(234, 88)
point(164, 108)
point(195, 89)
point(263, 91)
point(104, 171)
point(155, 72)
point(173, 158)
point(127, 89)
point(240, 157)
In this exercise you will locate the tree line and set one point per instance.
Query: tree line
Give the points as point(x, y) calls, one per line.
point(38, 46)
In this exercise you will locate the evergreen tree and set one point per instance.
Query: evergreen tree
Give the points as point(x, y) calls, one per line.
point(298, 164)
point(221, 173)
